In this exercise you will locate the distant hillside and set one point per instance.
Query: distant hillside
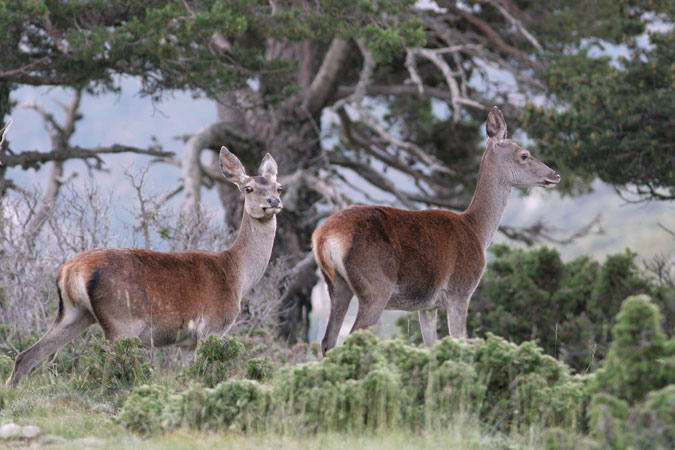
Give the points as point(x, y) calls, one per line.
point(624, 225)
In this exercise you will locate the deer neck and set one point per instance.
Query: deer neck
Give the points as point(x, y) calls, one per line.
point(252, 249)
point(489, 201)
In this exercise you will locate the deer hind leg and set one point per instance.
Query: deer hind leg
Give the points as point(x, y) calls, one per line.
point(373, 289)
point(65, 328)
point(428, 325)
point(340, 297)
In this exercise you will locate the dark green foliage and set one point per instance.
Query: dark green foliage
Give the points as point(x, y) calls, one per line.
point(608, 416)
point(619, 115)
point(111, 366)
point(143, 408)
point(259, 369)
point(370, 385)
point(6, 365)
point(633, 393)
point(172, 40)
point(233, 403)
point(567, 308)
point(217, 359)
point(635, 362)
point(652, 423)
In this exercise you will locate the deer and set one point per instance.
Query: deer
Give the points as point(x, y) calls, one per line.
point(165, 298)
point(422, 260)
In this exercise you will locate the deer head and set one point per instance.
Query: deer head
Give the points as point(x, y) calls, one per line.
point(261, 193)
point(519, 167)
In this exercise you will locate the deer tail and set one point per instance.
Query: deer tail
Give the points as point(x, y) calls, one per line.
point(322, 255)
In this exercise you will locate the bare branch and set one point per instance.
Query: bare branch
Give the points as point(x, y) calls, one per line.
point(409, 147)
point(34, 158)
point(406, 89)
point(435, 56)
point(375, 150)
point(531, 39)
point(666, 229)
point(23, 69)
point(365, 78)
point(488, 31)
point(144, 217)
point(325, 81)
point(372, 176)
point(539, 231)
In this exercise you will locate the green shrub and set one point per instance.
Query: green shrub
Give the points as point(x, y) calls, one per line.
point(260, 369)
point(634, 363)
point(567, 308)
point(6, 366)
point(608, 416)
point(370, 385)
point(110, 366)
point(217, 359)
point(652, 423)
point(143, 409)
point(633, 403)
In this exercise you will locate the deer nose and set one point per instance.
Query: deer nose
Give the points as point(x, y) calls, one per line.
point(556, 175)
point(274, 202)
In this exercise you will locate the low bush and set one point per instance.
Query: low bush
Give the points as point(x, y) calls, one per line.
point(368, 384)
point(633, 393)
point(6, 366)
point(568, 309)
point(111, 366)
point(217, 359)
point(260, 369)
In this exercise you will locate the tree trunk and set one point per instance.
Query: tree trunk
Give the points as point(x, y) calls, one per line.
point(289, 130)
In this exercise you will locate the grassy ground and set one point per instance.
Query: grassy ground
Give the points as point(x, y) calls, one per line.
point(71, 418)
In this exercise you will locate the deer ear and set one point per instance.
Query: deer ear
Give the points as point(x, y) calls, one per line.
point(496, 125)
point(268, 167)
point(231, 167)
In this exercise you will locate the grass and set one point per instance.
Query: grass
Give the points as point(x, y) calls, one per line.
point(366, 386)
point(70, 417)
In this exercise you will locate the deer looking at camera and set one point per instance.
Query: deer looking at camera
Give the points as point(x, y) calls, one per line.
point(422, 260)
point(166, 298)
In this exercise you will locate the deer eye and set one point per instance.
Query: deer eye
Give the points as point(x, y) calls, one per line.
point(279, 189)
point(524, 156)
point(248, 189)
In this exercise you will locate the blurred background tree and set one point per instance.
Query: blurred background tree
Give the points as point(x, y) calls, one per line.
point(361, 98)
point(617, 121)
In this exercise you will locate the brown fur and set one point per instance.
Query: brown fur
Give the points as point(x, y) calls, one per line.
point(406, 245)
point(169, 289)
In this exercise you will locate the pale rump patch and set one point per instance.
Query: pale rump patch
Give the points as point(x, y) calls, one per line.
point(337, 249)
point(329, 251)
point(68, 283)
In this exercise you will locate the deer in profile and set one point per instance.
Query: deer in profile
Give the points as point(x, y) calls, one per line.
point(165, 298)
point(422, 260)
